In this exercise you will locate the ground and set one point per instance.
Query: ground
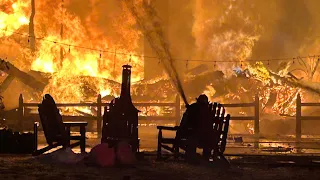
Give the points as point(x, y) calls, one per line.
point(26, 167)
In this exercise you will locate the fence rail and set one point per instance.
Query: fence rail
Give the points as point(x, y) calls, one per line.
point(300, 117)
point(255, 118)
point(177, 115)
point(99, 105)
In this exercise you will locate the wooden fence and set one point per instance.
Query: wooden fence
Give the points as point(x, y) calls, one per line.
point(99, 105)
point(300, 117)
point(255, 117)
point(177, 115)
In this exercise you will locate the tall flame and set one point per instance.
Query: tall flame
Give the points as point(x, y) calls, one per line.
point(12, 16)
point(70, 47)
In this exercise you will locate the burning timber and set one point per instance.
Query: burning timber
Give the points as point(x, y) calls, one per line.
point(13, 72)
point(237, 87)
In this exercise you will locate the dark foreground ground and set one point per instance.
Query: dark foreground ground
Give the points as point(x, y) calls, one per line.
point(26, 167)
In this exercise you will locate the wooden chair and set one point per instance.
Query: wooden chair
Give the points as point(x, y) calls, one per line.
point(219, 139)
point(57, 132)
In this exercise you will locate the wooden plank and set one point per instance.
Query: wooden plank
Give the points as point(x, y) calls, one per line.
point(62, 104)
point(310, 104)
point(239, 105)
point(167, 148)
point(65, 118)
point(96, 104)
point(5, 84)
point(168, 128)
point(242, 118)
point(168, 140)
point(22, 76)
point(156, 118)
point(310, 118)
point(75, 124)
point(83, 118)
point(154, 104)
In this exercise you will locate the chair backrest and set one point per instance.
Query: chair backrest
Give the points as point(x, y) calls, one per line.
point(220, 127)
point(51, 121)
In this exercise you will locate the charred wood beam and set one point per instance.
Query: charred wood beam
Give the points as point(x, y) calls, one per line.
point(296, 83)
point(25, 78)
point(315, 68)
point(293, 76)
point(5, 84)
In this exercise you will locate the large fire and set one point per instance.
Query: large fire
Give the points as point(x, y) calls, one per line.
point(12, 16)
point(81, 46)
point(68, 48)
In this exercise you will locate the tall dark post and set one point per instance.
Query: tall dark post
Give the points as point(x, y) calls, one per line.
point(120, 119)
point(99, 117)
point(298, 124)
point(298, 119)
point(20, 111)
point(256, 121)
point(31, 27)
point(61, 35)
point(126, 80)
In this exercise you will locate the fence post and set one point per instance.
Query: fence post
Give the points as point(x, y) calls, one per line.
point(20, 112)
point(256, 120)
point(178, 109)
point(298, 118)
point(99, 116)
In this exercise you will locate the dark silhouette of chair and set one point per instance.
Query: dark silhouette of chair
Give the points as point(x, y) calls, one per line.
point(220, 124)
point(57, 132)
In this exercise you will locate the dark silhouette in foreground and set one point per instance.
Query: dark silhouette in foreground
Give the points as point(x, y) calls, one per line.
point(203, 125)
point(57, 132)
point(120, 119)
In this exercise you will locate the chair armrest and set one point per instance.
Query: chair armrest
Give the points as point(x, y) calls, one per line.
point(175, 128)
point(75, 124)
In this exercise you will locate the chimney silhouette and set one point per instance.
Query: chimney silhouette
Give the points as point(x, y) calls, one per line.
point(126, 81)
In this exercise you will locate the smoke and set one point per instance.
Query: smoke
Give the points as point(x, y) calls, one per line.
point(150, 24)
point(237, 30)
point(225, 30)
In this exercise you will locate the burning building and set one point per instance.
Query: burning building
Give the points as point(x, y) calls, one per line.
point(228, 50)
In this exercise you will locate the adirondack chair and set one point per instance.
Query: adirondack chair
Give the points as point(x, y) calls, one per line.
point(57, 132)
point(219, 140)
